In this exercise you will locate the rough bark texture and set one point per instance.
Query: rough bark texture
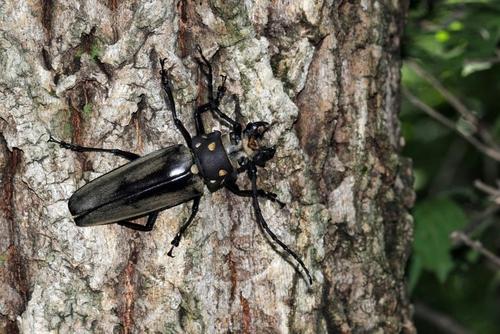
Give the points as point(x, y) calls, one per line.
point(325, 73)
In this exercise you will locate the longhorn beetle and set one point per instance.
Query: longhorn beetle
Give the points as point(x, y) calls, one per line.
point(174, 175)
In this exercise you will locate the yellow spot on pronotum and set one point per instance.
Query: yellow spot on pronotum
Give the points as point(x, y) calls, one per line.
point(211, 146)
point(197, 145)
point(222, 172)
point(194, 169)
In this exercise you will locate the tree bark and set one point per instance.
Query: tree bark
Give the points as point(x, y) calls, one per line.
point(326, 74)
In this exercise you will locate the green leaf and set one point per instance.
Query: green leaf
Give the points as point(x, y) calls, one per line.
point(442, 36)
point(434, 45)
point(435, 219)
point(456, 26)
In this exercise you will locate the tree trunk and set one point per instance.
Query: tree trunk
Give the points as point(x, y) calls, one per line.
point(325, 73)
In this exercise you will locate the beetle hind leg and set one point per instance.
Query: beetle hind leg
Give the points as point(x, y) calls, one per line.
point(143, 228)
point(177, 239)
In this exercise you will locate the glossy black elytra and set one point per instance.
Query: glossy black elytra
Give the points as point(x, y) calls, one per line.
point(174, 175)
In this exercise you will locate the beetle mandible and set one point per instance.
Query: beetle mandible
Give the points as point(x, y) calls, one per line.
point(174, 175)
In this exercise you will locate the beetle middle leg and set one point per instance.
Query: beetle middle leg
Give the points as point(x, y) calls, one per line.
point(77, 148)
point(177, 239)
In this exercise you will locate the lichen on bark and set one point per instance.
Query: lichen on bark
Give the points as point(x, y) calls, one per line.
point(325, 74)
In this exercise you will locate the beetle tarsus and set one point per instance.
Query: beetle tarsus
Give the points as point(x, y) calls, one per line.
point(177, 239)
point(175, 243)
point(221, 90)
point(170, 252)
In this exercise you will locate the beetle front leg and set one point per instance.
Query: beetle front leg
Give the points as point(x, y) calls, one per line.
point(138, 227)
point(214, 109)
point(213, 102)
point(177, 239)
point(208, 72)
point(77, 148)
point(198, 121)
point(221, 90)
point(212, 105)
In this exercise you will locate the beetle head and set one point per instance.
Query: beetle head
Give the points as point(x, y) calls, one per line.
point(253, 143)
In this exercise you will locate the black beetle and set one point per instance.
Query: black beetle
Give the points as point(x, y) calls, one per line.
point(174, 175)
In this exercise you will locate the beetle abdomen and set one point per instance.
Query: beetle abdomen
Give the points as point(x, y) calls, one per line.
point(161, 179)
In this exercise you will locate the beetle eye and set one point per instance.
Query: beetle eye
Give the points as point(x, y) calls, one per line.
point(242, 161)
point(256, 129)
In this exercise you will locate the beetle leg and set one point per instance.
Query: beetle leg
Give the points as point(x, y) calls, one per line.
point(167, 87)
point(77, 148)
point(208, 73)
point(177, 239)
point(215, 109)
point(143, 228)
point(221, 90)
point(213, 103)
point(252, 173)
point(238, 116)
point(198, 122)
point(225, 117)
point(233, 187)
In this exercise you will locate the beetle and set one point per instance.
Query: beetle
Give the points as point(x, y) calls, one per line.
point(177, 174)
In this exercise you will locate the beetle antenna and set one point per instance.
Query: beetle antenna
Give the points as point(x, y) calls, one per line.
point(252, 172)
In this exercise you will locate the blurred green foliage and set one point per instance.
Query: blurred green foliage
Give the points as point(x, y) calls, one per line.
point(435, 219)
point(458, 43)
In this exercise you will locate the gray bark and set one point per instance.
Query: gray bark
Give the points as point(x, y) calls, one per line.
point(325, 73)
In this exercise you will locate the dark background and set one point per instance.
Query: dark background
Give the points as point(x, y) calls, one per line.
point(455, 44)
